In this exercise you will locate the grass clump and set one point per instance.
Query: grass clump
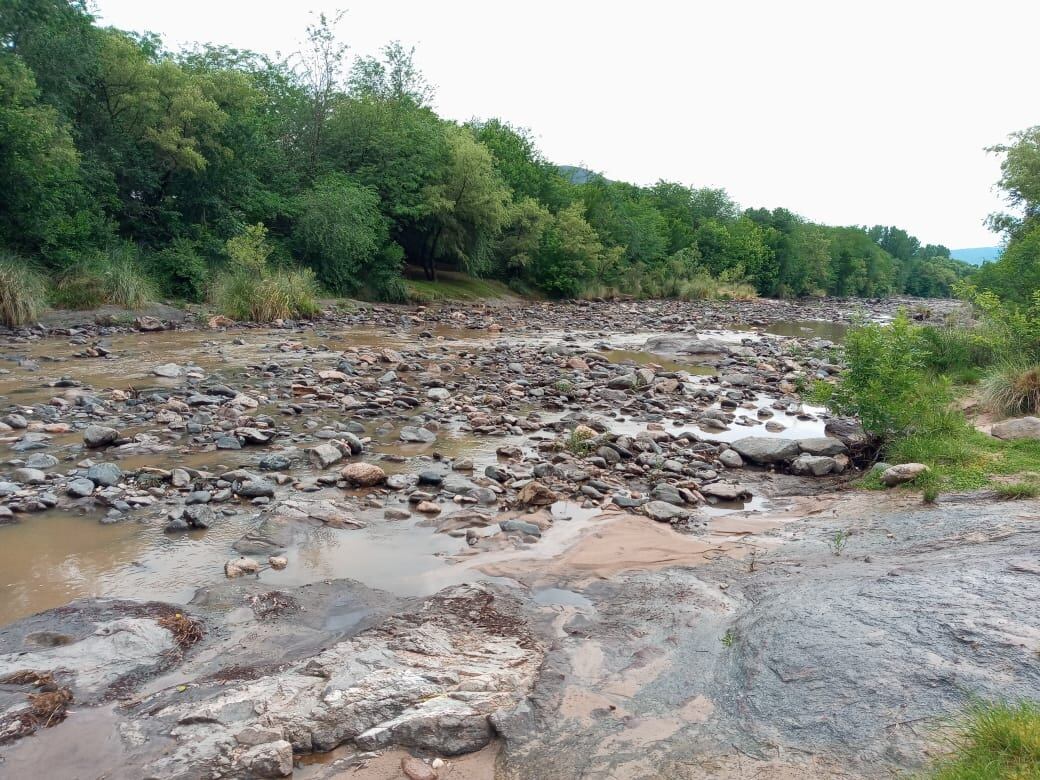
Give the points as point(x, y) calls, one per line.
point(1017, 490)
point(579, 442)
point(23, 291)
point(995, 742)
point(1012, 390)
point(114, 278)
point(251, 289)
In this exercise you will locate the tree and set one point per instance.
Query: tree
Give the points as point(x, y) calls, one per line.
point(521, 166)
point(320, 68)
point(340, 232)
point(1019, 178)
point(467, 208)
point(44, 208)
point(524, 226)
point(570, 254)
point(394, 77)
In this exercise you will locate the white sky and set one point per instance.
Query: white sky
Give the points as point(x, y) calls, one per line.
point(845, 112)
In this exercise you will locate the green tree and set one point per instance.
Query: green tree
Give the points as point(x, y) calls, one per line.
point(340, 232)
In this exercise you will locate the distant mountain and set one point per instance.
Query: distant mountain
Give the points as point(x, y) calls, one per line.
point(976, 255)
point(576, 174)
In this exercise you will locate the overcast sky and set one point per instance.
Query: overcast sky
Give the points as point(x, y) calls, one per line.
point(845, 112)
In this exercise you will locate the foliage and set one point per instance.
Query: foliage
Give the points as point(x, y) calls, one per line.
point(23, 291)
point(251, 289)
point(355, 176)
point(114, 277)
point(1012, 390)
point(342, 235)
point(1000, 740)
point(883, 383)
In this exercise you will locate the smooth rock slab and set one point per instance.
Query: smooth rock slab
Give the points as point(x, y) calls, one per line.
point(765, 449)
point(1018, 428)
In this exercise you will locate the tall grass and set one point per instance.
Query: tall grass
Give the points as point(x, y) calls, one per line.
point(114, 278)
point(1012, 390)
point(279, 294)
point(254, 290)
point(23, 291)
point(995, 742)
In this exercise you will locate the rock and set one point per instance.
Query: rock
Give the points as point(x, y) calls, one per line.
point(536, 494)
point(438, 394)
point(1018, 428)
point(254, 435)
point(239, 567)
point(272, 759)
point(415, 769)
point(425, 679)
point(96, 436)
point(105, 474)
point(765, 449)
point(623, 382)
point(430, 478)
point(738, 379)
point(731, 459)
point(148, 324)
point(813, 465)
point(663, 512)
point(822, 445)
point(254, 488)
point(168, 370)
point(363, 474)
point(324, 455)
point(16, 421)
point(41, 460)
point(685, 344)
point(278, 561)
point(520, 527)
point(8, 488)
point(850, 432)
point(725, 491)
point(904, 472)
point(428, 508)
point(29, 476)
point(417, 435)
point(79, 487)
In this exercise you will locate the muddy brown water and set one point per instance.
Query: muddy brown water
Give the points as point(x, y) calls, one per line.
point(52, 557)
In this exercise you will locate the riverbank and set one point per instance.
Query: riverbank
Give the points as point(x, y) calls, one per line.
point(628, 513)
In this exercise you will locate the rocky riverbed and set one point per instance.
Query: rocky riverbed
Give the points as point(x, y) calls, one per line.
point(518, 540)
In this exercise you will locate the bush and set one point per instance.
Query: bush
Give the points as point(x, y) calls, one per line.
point(252, 290)
point(23, 291)
point(181, 271)
point(957, 351)
point(1012, 390)
point(884, 384)
point(995, 741)
point(114, 278)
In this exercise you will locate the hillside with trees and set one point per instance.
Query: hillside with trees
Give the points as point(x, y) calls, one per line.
point(129, 168)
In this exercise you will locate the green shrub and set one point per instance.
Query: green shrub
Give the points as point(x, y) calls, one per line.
point(884, 384)
point(113, 278)
point(181, 270)
point(23, 291)
point(957, 351)
point(995, 741)
point(1012, 390)
point(252, 290)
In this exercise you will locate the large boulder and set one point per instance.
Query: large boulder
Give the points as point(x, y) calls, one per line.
point(766, 449)
point(363, 474)
point(685, 344)
point(96, 436)
point(1018, 428)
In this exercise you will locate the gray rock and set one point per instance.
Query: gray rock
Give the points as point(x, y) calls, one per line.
point(105, 474)
point(663, 512)
point(16, 421)
point(8, 488)
point(96, 436)
point(28, 476)
point(813, 465)
point(623, 382)
point(904, 472)
point(520, 526)
point(168, 370)
point(79, 487)
point(255, 488)
point(822, 445)
point(438, 394)
point(324, 455)
point(417, 435)
point(731, 459)
point(41, 460)
point(765, 449)
point(1018, 428)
